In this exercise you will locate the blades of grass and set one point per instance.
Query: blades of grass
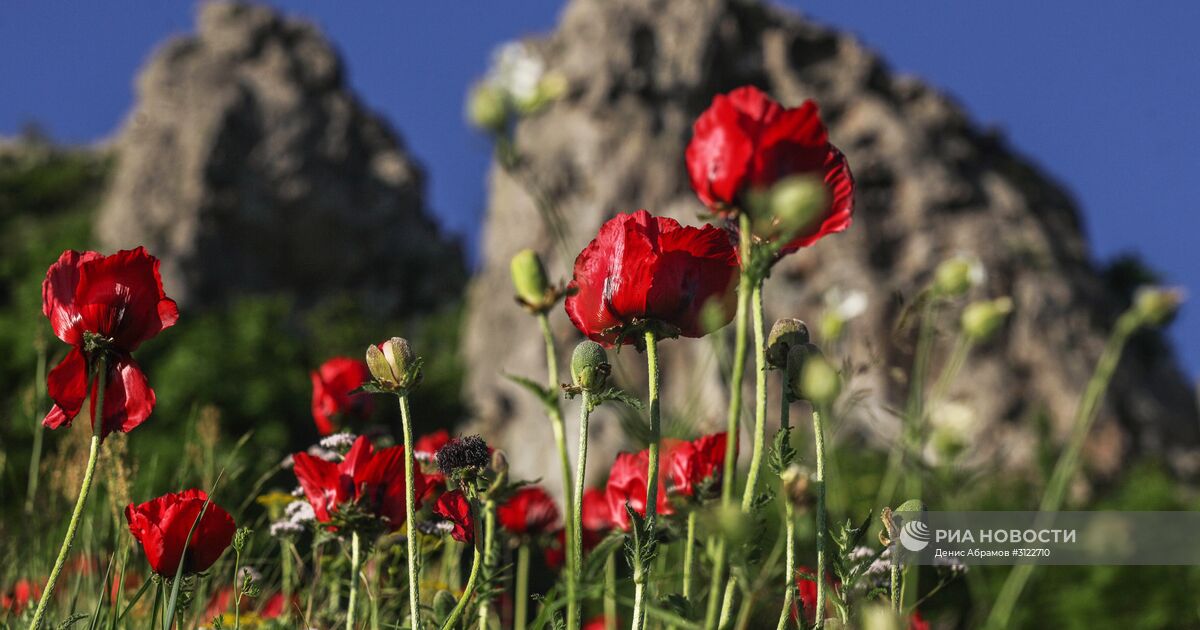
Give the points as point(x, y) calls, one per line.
point(136, 596)
point(103, 591)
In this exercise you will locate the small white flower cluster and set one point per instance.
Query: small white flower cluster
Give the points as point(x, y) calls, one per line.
point(517, 71)
point(318, 451)
point(425, 457)
point(882, 565)
point(340, 442)
point(296, 517)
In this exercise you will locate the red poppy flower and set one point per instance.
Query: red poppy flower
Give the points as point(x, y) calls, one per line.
point(161, 526)
point(627, 485)
point(332, 384)
point(555, 553)
point(372, 480)
point(645, 272)
point(916, 622)
point(690, 464)
point(746, 140)
point(530, 511)
point(453, 506)
point(221, 602)
point(596, 517)
point(598, 623)
point(429, 444)
point(104, 305)
point(808, 593)
point(22, 594)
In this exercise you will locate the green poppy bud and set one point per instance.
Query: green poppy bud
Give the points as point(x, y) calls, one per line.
point(487, 108)
point(393, 365)
point(1157, 305)
point(981, 320)
point(589, 366)
point(817, 381)
point(786, 334)
point(529, 277)
point(795, 202)
point(957, 275)
point(797, 486)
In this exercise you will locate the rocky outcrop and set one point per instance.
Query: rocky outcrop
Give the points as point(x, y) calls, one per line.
point(248, 165)
point(930, 183)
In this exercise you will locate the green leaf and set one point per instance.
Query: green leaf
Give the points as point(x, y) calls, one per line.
point(540, 391)
point(614, 394)
point(782, 453)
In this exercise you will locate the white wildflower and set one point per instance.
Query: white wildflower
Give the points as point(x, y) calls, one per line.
point(517, 70)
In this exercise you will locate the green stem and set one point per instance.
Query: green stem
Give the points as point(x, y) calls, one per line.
point(760, 397)
point(642, 570)
point(895, 585)
point(789, 514)
point(689, 553)
point(355, 566)
point(84, 490)
point(237, 591)
point(558, 426)
point(733, 416)
point(1068, 461)
point(819, 442)
point(410, 516)
point(489, 556)
point(585, 405)
point(610, 592)
point(35, 459)
point(287, 578)
point(476, 562)
point(760, 430)
point(911, 420)
point(520, 610)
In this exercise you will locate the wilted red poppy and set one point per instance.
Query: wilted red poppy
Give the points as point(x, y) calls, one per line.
point(454, 507)
point(530, 511)
point(104, 306)
point(745, 140)
point(645, 272)
point(22, 594)
point(161, 526)
point(332, 384)
point(372, 480)
point(627, 485)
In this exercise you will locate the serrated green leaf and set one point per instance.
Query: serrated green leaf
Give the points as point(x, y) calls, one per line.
point(537, 389)
point(782, 453)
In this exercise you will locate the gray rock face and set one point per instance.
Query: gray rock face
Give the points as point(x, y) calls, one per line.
point(930, 183)
point(248, 166)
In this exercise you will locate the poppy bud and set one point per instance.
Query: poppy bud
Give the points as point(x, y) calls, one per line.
point(589, 366)
point(786, 334)
point(499, 462)
point(468, 453)
point(816, 381)
point(488, 108)
point(393, 365)
point(797, 486)
point(443, 604)
point(958, 274)
point(1157, 305)
point(795, 202)
point(529, 278)
point(980, 320)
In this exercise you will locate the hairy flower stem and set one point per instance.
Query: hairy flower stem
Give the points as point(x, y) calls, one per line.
point(576, 553)
point(642, 568)
point(410, 517)
point(610, 592)
point(896, 591)
point(1068, 461)
point(819, 443)
point(733, 417)
point(473, 578)
point(558, 426)
point(688, 553)
point(521, 597)
point(84, 490)
point(760, 430)
point(789, 514)
point(489, 556)
point(355, 567)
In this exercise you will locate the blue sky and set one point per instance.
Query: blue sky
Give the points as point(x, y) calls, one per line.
point(1102, 95)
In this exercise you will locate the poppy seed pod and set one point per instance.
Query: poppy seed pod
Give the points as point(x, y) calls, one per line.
point(393, 365)
point(787, 333)
point(465, 453)
point(797, 486)
point(589, 366)
point(529, 279)
point(957, 275)
point(980, 320)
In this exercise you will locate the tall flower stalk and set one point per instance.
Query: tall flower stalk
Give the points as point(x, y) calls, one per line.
point(589, 372)
point(85, 490)
point(642, 566)
point(1152, 307)
point(395, 370)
